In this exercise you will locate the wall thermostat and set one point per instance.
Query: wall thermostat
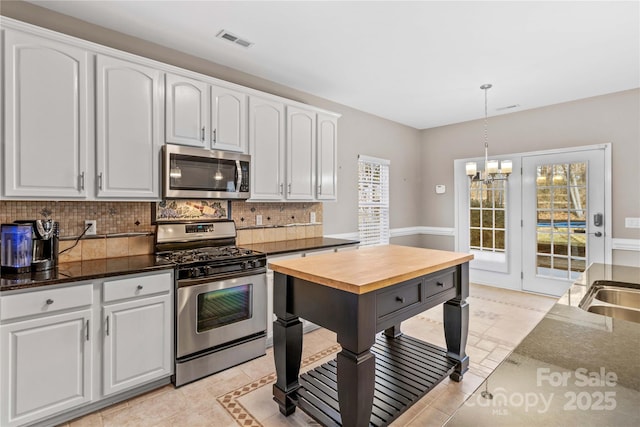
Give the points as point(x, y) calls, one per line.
point(440, 189)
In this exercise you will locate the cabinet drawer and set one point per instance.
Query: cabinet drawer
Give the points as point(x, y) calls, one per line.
point(392, 301)
point(440, 282)
point(47, 301)
point(133, 287)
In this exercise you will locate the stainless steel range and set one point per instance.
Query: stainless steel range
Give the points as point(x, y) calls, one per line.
point(221, 297)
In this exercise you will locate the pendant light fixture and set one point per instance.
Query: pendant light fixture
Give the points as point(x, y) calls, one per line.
point(218, 175)
point(493, 170)
point(175, 172)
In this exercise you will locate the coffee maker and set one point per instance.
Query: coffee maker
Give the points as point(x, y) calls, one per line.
point(44, 234)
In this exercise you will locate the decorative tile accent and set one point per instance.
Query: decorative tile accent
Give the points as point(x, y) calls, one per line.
point(229, 401)
point(177, 210)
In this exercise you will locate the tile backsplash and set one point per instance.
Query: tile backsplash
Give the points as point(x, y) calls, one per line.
point(111, 217)
point(280, 221)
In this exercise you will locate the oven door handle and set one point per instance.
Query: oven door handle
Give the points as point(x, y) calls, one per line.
point(204, 280)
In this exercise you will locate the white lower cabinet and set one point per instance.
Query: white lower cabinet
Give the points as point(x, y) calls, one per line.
point(52, 342)
point(46, 361)
point(137, 335)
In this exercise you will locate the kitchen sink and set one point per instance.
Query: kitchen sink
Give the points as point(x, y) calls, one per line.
point(614, 299)
point(616, 312)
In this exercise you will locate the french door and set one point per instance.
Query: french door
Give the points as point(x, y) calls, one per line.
point(563, 218)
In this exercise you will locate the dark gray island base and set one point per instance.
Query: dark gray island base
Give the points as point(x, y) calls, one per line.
point(380, 372)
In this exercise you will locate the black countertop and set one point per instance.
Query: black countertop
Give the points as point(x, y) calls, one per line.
point(99, 268)
point(84, 270)
point(574, 368)
point(299, 245)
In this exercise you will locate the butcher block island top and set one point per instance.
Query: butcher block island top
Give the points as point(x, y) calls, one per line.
point(370, 268)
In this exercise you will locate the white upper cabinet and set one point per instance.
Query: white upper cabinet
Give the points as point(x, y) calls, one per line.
point(186, 111)
point(327, 163)
point(301, 153)
point(128, 125)
point(228, 119)
point(45, 115)
point(205, 115)
point(267, 148)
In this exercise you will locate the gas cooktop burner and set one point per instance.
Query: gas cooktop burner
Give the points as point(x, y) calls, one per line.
point(212, 253)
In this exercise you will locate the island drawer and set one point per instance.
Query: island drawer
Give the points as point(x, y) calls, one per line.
point(399, 298)
point(440, 282)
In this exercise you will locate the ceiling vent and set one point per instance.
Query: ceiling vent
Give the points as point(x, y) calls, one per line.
point(226, 35)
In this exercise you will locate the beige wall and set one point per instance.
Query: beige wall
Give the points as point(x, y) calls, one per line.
point(613, 118)
point(359, 133)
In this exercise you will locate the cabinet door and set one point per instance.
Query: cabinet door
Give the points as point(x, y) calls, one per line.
point(301, 153)
point(138, 342)
point(327, 165)
point(128, 129)
point(186, 111)
point(266, 146)
point(228, 120)
point(45, 366)
point(46, 117)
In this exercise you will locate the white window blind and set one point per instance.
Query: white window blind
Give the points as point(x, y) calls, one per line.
point(373, 200)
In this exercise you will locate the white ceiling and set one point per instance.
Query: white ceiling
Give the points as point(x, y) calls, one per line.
point(419, 63)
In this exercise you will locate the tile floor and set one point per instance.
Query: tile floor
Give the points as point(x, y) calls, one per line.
point(499, 319)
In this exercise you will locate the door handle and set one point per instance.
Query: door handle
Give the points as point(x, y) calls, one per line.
point(597, 234)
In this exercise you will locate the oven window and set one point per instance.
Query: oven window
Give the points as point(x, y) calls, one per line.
point(224, 306)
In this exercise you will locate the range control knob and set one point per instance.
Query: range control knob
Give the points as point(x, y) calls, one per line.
point(194, 272)
point(245, 265)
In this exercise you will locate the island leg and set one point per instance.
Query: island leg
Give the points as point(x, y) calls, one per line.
point(356, 363)
point(287, 347)
point(456, 324)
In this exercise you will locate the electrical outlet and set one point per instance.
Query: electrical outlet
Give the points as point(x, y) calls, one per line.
point(91, 231)
point(312, 217)
point(258, 219)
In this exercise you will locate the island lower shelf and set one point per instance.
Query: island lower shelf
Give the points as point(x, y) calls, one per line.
point(406, 370)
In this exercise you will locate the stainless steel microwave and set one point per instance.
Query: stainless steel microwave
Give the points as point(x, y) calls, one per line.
point(198, 173)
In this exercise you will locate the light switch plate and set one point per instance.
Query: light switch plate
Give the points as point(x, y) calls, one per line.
point(258, 219)
point(632, 222)
point(440, 189)
point(312, 218)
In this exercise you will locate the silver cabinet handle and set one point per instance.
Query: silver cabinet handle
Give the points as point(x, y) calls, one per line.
point(400, 299)
point(139, 287)
point(281, 188)
point(202, 135)
point(100, 181)
point(107, 327)
point(82, 180)
point(214, 136)
point(289, 188)
point(319, 188)
point(49, 301)
point(87, 331)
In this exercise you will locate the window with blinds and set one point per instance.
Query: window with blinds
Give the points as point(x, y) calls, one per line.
point(373, 200)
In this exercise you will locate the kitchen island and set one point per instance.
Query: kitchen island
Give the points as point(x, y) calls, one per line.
point(358, 294)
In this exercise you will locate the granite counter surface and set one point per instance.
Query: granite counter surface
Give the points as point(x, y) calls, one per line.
point(574, 368)
point(83, 270)
point(299, 245)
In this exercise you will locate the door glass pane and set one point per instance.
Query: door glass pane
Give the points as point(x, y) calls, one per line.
point(487, 213)
point(561, 194)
